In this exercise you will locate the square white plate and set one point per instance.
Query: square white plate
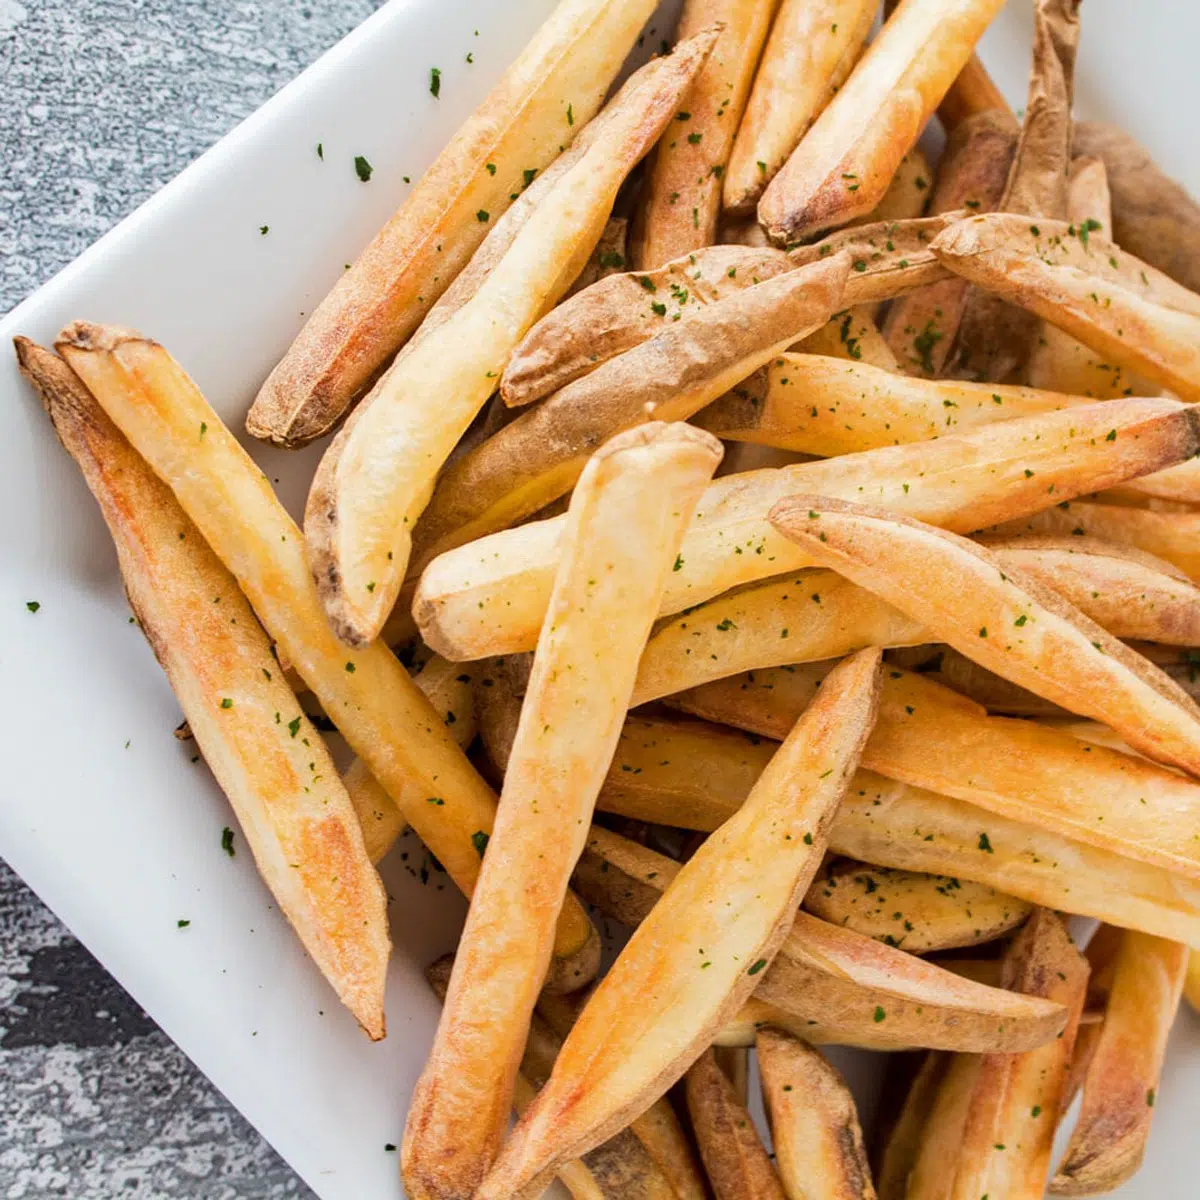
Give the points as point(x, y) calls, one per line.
point(103, 813)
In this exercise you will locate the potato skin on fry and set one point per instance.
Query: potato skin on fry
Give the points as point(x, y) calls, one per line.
point(375, 305)
point(280, 778)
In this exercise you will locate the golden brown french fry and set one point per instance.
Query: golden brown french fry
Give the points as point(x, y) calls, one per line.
point(376, 706)
point(1017, 1099)
point(280, 778)
point(911, 909)
point(551, 91)
point(898, 1155)
point(1153, 216)
point(921, 326)
point(971, 94)
point(734, 1157)
point(1004, 619)
point(490, 597)
point(852, 335)
point(375, 478)
point(811, 50)
point(698, 954)
point(621, 1168)
point(1093, 293)
point(681, 198)
point(829, 983)
point(687, 364)
point(625, 522)
point(819, 1149)
point(1119, 1089)
point(931, 1174)
point(843, 165)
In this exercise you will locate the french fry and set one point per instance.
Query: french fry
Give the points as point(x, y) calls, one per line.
point(734, 1157)
point(626, 519)
point(1191, 983)
point(735, 1062)
point(843, 165)
point(918, 912)
point(819, 1149)
point(829, 983)
point(973, 92)
point(1153, 216)
point(538, 457)
point(852, 335)
point(280, 779)
point(811, 50)
point(610, 255)
point(1050, 273)
point(898, 1155)
point(1017, 1099)
point(681, 198)
point(1064, 656)
point(550, 93)
point(921, 326)
point(621, 1168)
point(375, 478)
point(490, 597)
point(931, 1176)
point(377, 708)
point(1119, 1089)
point(730, 907)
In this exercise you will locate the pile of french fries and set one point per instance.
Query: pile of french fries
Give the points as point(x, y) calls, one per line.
point(842, 728)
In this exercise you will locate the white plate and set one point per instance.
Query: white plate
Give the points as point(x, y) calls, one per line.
point(103, 814)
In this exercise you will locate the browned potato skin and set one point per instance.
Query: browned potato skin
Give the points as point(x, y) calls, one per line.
point(1109, 1140)
point(734, 1157)
point(376, 304)
point(1153, 216)
point(917, 912)
point(681, 199)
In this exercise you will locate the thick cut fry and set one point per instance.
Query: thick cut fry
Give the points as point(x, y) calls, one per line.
point(1153, 216)
point(490, 597)
point(810, 53)
point(621, 1168)
point(538, 457)
point(1017, 1099)
point(730, 907)
point(852, 335)
point(943, 664)
point(921, 326)
point(920, 913)
point(681, 198)
point(1086, 291)
point(1037, 639)
point(734, 1157)
point(520, 127)
point(931, 1174)
point(280, 779)
point(624, 526)
point(971, 94)
point(907, 197)
point(831, 984)
point(1119, 1088)
point(843, 166)
point(376, 707)
point(898, 1155)
point(375, 478)
point(819, 1149)
point(735, 1062)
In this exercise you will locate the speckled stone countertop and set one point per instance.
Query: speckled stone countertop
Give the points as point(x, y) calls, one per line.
point(101, 103)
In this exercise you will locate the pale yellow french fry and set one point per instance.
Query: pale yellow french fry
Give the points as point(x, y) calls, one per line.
point(811, 50)
point(625, 522)
point(815, 1131)
point(830, 983)
point(489, 597)
point(537, 458)
point(681, 198)
point(907, 196)
point(1018, 1099)
point(376, 706)
point(973, 92)
point(1093, 292)
point(1005, 620)
point(279, 776)
point(621, 1168)
point(918, 912)
point(546, 96)
point(734, 1157)
point(846, 160)
point(730, 907)
point(898, 1155)
point(375, 479)
point(1122, 1079)
point(854, 336)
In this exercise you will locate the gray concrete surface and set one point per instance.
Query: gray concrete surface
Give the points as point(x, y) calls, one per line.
point(101, 103)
